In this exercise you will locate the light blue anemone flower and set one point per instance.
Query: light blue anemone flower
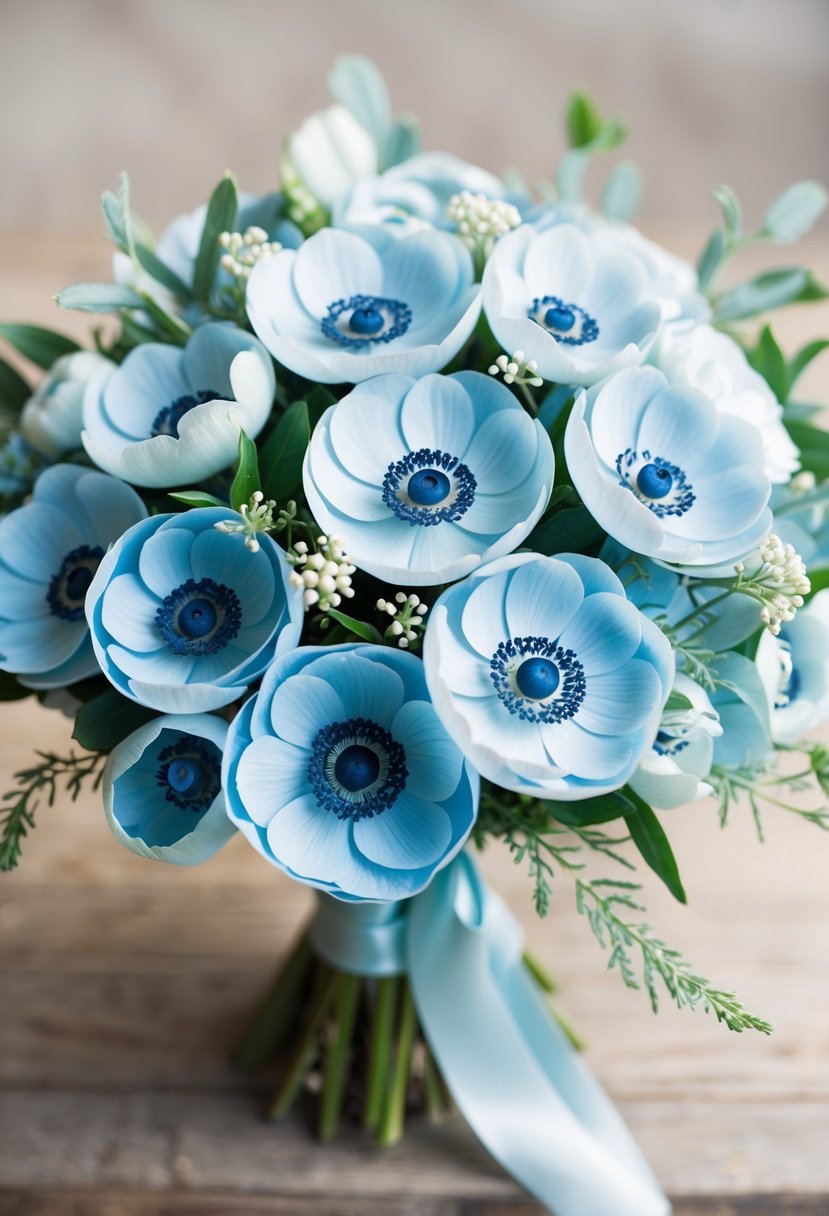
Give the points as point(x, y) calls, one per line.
point(339, 772)
point(20, 464)
point(794, 668)
point(742, 705)
point(673, 772)
point(549, 680)
point(579, 311)
point(49, 551)
point(415, 194)
point(343, 308)
point(426, 479)
point(172, 417)
point(664, 473)
point(162, 789)
point(184, 617)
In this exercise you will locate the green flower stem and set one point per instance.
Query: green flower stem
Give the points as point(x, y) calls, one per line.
point(567, 1028)
point(325, 988)
point(700, 609)
point(379, 1050)
point(436, 1105)
point(539, 972)
point(394, 1115)
point(278, 1011)
point(345, 1002)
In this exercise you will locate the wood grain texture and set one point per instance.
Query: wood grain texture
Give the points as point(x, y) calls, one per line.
point(123, 985)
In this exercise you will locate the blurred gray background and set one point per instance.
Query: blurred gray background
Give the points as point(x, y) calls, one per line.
point(177, 91)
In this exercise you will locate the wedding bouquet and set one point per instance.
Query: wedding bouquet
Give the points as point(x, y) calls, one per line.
point(406, 509)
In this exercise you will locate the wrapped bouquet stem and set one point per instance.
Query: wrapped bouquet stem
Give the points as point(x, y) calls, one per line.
point(401, 510)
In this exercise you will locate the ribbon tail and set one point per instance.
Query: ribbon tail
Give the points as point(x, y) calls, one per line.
point(528, 1097)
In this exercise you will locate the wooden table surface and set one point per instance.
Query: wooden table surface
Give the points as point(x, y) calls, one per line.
point(124, 984)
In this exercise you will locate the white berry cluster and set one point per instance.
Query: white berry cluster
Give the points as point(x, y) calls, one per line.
point(324, 574)
point(407, 624)
point(479, 218)
point(780, 583)
point(244, 249)
point(516, 371)
point(257, 516)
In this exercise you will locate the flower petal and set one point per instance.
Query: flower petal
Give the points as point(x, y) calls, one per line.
point(409, 835)
point(302, 706)
point(434, 762)
point(270, 774)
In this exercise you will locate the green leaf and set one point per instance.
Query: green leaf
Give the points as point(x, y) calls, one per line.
point(622, 191)
point(573, 530)
point(14, 391)
point(773, 289)
point(197, 498)
point(732, 217)
point(570, 173)
point(42, 346)
point(319, 399)
point(357, 83)
point(677, 703)
point(247, 478)
point(584, 122)
point(768, 359)
point(221, 217)
point(611, 135)
point(162, 273)
point(711, 258)
point(10, 689)
point(804, 357)
point(98, 297)
point(813, 445)
point(795, 212)
point(649, 837)
point(283, 452)
point(361, 629)
point(102, 723)
point(590, 811)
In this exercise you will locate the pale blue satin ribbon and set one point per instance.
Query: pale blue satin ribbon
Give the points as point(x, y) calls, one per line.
point(512, 1072)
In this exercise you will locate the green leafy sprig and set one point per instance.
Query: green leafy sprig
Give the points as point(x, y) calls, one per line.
point(17, 818)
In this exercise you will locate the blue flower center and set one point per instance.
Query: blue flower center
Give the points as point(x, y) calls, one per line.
point(199, 618)
point(167, 419)
point(568, 323)
point(356, 769)
point(669, 745)
point(788, 680)
point(428, 487)
point(660, 485)
point(189, 772)
point(537, 679)
point(362, 320)
point(68, 588)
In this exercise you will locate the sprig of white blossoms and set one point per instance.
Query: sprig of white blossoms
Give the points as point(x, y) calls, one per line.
point(408, 614)
point(516, 371)
point(324, 574)
point(779, 585)
point(244, 249)
point(257, 516)
point(481, 220)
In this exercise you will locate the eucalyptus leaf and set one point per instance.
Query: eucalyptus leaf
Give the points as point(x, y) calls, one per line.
point(221, 217)
point(247, 479)
point(283, 452)
point(101, 724)
point(768, 291)
point(711, 258)
point(570, 174)
point(357, 83)
point(98, 297)
point(622, 191)
point(403, 141)
point(42, 346)
point(649, 837)
point(795, 212)
point(732, 215)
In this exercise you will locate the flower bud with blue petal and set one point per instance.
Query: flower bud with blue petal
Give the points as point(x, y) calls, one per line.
point(741, 703)
point(426, 479)
point(50, 549)
point(52, 419)
point(172, 417)
point(184, 616)
point(162, 789)
point(580, 312)
point(345, 307)
point(340, 773)
point(546, 676)
point(673, 772)
point(665, 473)
point(794, 668)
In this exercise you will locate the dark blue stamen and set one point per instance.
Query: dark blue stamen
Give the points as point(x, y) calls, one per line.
point(537, 678)
point(199, 617)
point(410, 483)
point(669, 745)
point(189, 772)
point(167, 419)
point(566, 322)
point(518, 668)
point(356, 769)
point(362, 320)
point(68, 588)
point(660, 485)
